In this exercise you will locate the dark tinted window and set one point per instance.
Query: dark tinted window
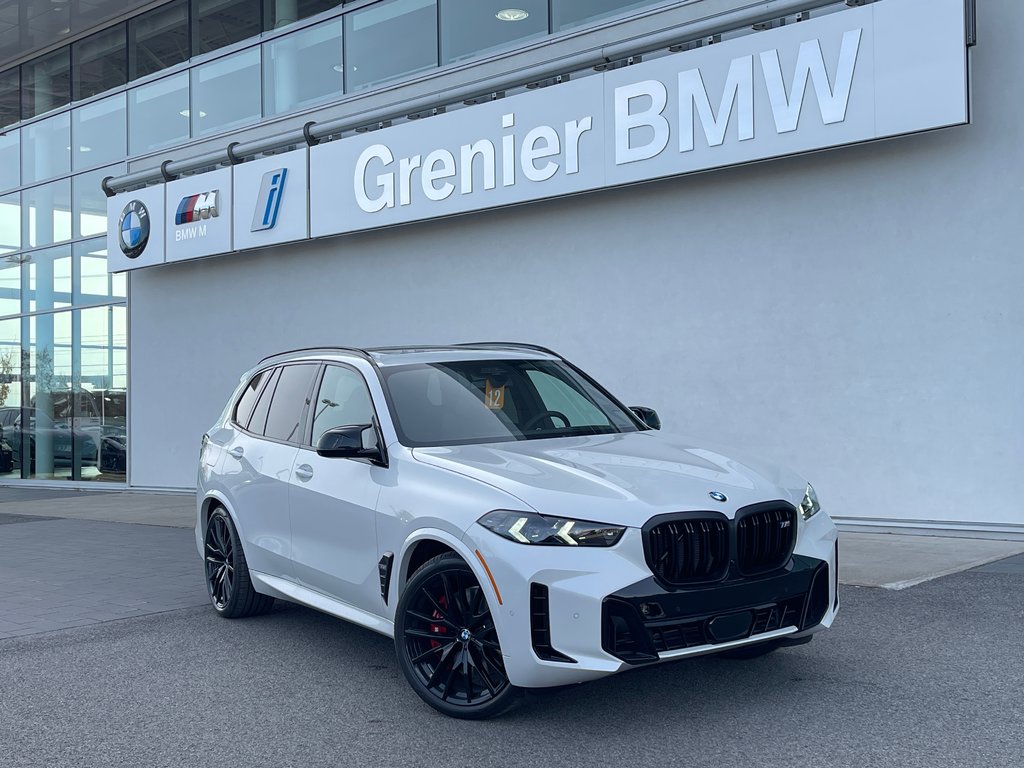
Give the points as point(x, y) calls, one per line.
point(258, 421)
point(248, 399)
point(158, 39)
point(100, 62)
point(217, 23)
point(290, 397)
point(10, 98)
point(278, 14)
point(47, 83)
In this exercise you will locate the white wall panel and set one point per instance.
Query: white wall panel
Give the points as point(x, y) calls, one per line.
point(853, 314)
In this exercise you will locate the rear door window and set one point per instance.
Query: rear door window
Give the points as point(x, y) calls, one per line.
point(291, 396)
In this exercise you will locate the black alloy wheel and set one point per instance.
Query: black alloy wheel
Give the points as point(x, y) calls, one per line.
point(447, 644)
point(227, 574)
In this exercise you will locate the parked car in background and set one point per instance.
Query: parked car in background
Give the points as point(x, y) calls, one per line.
point(504, 518)
point(6, 455)
point(67, 443)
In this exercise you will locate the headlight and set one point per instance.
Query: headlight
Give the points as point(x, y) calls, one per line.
point(531, 528)
point(809, 507)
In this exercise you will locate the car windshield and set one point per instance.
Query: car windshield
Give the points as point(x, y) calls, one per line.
point(484, 401)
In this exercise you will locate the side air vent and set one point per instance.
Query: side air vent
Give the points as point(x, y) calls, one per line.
point(540, 626)
point(817, 598)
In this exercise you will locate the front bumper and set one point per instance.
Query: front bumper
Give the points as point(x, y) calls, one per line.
point(570, 615)
point(644, 623)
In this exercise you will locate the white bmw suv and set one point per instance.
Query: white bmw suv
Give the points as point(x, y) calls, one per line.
point(504, 518)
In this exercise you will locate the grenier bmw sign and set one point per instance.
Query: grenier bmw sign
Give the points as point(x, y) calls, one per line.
point(871, 72)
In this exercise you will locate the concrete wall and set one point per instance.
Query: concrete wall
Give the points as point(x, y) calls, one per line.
point(854, 314)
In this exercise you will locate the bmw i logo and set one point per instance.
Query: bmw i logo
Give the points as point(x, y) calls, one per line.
point(133, 229)
point(717, 496)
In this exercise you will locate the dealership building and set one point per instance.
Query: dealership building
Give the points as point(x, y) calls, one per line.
point(790, 226)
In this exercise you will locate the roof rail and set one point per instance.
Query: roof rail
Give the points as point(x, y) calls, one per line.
point(350, 350)
point(512, 345)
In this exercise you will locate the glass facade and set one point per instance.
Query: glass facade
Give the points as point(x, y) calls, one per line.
point(472, 27)
point(63, 318)
point(302, 69)
point(46, 83)
point(99, 132)
point(158, 114)
point(370, 30)
point(226, 93)
point(158, 39)
point(46, 148)
point(217, 23)
point(63, 366)
point(10, 96)
point(572, 13)
point(99, 62)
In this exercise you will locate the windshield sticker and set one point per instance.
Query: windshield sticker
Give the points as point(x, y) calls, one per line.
point(494, 397)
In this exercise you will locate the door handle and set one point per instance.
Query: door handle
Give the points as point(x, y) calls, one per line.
point(237, 452)
point(304, 472)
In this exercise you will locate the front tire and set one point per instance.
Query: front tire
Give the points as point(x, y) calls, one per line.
point(447, 644)
point(227, 574)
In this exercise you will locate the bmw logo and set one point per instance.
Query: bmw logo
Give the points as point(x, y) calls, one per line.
point(133, 229)
point(717, 496)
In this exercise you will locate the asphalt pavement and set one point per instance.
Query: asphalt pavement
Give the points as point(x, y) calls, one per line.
point(927, 676)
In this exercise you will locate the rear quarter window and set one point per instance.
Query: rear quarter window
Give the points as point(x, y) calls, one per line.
point(247, 401)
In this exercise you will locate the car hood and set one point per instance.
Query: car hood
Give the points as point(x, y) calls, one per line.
point(622, 478)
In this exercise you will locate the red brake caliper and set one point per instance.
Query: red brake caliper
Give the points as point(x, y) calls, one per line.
point(438, 629)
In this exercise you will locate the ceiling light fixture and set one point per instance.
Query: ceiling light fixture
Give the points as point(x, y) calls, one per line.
point(511, 14)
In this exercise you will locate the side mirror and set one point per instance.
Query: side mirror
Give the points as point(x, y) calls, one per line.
point(357, 441)
point(648, 416)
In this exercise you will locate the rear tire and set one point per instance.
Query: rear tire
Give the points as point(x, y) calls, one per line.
point(447, 644)
point(227, 574)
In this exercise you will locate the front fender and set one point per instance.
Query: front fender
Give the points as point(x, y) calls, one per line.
point(401, 567)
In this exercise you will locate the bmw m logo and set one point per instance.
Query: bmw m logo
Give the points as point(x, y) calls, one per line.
point(717, 496)
point(196, 207)
point(133, 229)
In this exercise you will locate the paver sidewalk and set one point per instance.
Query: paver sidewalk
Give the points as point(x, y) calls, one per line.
point(61, 573)
point(168, 509)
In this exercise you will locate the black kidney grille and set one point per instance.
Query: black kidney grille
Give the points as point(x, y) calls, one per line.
point(765, 538)
point(687, 551)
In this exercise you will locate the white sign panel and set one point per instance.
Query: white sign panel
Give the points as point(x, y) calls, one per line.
point(880, 70)
point(198, 215)
point(526, 147)
point(135, 229)
point(271, 198)
point(857, 75)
